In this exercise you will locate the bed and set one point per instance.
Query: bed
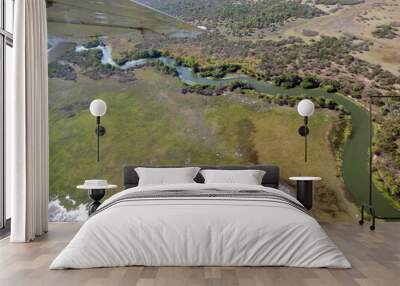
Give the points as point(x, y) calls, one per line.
point(198, 224)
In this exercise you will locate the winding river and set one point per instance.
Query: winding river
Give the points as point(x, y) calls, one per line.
point(355, 157)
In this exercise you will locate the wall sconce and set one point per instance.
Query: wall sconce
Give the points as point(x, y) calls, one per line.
point(305, 108)
point(98, 108)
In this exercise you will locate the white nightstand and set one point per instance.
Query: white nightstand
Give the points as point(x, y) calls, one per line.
point(96, 192)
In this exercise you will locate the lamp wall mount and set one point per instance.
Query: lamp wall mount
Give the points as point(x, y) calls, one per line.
point(304, 130)
point(100, 130)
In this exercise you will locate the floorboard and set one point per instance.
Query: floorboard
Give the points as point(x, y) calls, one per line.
point(375, 257)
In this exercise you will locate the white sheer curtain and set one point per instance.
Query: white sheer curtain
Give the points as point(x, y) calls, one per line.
point(27, 123)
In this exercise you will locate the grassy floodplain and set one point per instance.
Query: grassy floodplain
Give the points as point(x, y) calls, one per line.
point(353, 44)
point(150, 121)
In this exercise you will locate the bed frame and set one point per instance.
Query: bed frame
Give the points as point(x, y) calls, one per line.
point(270, 179)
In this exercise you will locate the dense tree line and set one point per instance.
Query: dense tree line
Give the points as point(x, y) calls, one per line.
point(215, 90)
point(138, 54)
point(218, 71)
point(244, 18)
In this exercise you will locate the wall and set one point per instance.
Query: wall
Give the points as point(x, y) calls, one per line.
point(208, 87)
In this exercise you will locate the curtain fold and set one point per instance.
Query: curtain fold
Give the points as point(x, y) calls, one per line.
point(27, 150)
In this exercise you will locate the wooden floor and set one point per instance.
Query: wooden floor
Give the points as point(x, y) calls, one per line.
point(375, 257)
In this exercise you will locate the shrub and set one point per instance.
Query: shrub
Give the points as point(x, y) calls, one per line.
point(331, 104)
point(239, 84)
point(57, 70)
point(385, 32)
point(191, 63)
point(310, 82)
point(321, 102)
point(287, 81)
point(330, 85)
point(166, 69)
point(219, 71)
point(93, 44)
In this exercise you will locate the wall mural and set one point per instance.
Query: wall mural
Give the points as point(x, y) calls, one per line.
point(217, 82)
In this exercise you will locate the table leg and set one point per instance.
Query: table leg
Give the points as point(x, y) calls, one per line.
point(96, 196)
point(305, 193)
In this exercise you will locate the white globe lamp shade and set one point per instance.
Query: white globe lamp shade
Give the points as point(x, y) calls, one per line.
point(305, 107)
point(98, 107)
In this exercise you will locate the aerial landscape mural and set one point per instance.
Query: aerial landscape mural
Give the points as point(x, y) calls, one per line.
point(216, 82)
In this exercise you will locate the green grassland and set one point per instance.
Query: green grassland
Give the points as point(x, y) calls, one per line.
point(149, 121)
point(275, 139)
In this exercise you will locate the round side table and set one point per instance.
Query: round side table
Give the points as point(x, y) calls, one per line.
point(305, 190)
point(96, 193)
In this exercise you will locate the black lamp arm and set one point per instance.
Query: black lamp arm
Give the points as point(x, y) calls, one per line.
point(100, 131)
point(305, 137)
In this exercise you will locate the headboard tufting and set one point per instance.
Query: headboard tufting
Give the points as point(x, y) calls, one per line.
point(270, 179)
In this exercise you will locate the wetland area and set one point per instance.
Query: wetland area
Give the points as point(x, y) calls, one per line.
point(177, 95)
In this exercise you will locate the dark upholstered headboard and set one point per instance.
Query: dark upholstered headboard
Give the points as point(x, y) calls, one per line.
point(271, 177)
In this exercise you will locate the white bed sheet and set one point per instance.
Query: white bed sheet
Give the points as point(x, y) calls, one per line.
point(201, 232)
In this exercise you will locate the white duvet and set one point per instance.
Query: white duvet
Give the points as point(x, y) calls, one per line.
point(200, 231)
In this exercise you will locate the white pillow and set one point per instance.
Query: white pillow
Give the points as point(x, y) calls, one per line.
point(165, 176)
point(247, 177)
